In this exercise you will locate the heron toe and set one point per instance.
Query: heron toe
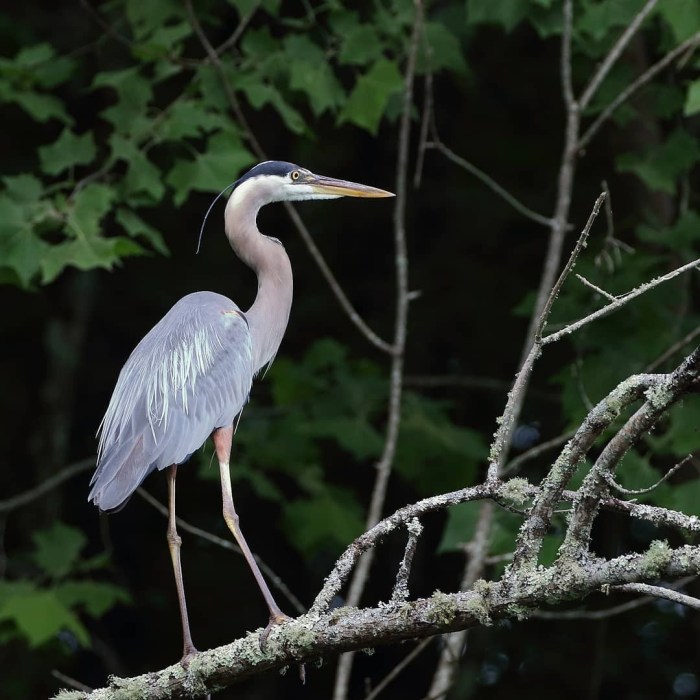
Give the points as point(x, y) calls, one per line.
point(188, 657)
point(278, 618)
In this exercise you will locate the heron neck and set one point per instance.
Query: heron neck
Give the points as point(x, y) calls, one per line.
point(269, 313)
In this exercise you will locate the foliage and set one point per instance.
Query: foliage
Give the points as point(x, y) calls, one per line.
point(49, 606)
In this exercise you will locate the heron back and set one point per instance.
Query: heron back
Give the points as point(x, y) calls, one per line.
point(189, 375)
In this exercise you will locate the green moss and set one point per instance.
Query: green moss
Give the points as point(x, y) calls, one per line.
point(444, 607)
point(339, 613)
point(519, 612)
point(482, 587)
point(69, 695)
point(477, 607)
point(659, 396)
point(655, 559)
point(515, 490)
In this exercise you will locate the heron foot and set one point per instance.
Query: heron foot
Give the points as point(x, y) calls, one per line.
point(276, 618)
point(188, 656)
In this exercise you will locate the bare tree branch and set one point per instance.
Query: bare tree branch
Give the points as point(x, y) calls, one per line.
point(414, 529)
point(386, 461)
point(659, 592)
point(311, 636)
point(659, 398)
point(43, 488)
point(521, 208)
point(619, 302)
point(689, 44)
point(614, 54)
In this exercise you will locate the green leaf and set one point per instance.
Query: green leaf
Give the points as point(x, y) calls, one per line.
point(692, 100)
point(460, 527)
point(353, 434)
point(682, 237)
point(23, 188)
point(189, 119)
point(88, 207)
point(42, 107)
point(95, 597)
point(331, 519)
point(360, 46)
point(635, 472)
point(68, 151)
point(601, 17)
point(136, 227)
point(445, 49)
point(143, 182)
point(685, 497)
point(134, 93)
point(507, 13)
point(210, 171)
point(57, 549)
point(370, 96)
point(29, 56)
point(550, 549)
point(683, 16)
point(164, 41)
point(21, 249)
point(428, 436)
point(86, 254)
point(147, 17)
point(260, 94)
point(311, 74)
point(682, 434)
point(660, 166)
point(38, 614)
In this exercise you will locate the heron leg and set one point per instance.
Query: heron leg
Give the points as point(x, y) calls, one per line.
point(222, 442)
point(174, 544)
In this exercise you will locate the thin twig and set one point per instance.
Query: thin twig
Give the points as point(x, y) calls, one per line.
point(614, 54)
point(673, 349)
point(536, 451)
point(619, 302)
point(414, 529)
point(638, 492)
point(489, 182)
point(507, 421)
point(70, 681)
point(446, 668)
point(240, 28)
point(226, 544)
point(642, 80)
point(333, 283)
point(469, 381)
point(408, 659)
point(659, 592)
point(580, 245)
point(477, 549)
point(53, 482)
point(386, 461)
point(567, 88)
point(595, 288)
point(426, 118)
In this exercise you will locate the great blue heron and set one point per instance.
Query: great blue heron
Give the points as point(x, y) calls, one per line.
point(190, 376)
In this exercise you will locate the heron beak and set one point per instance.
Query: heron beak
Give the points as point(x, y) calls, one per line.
point(343, 188)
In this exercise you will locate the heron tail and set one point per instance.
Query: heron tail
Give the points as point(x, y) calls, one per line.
point(119, 473)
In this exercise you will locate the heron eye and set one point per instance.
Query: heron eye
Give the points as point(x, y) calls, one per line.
point(294, 175)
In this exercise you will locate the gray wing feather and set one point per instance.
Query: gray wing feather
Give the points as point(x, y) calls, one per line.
point(189, 375)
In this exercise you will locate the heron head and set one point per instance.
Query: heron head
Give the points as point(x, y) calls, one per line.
point(279, 181)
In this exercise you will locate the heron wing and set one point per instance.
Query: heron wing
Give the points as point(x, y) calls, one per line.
point(189, 375)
